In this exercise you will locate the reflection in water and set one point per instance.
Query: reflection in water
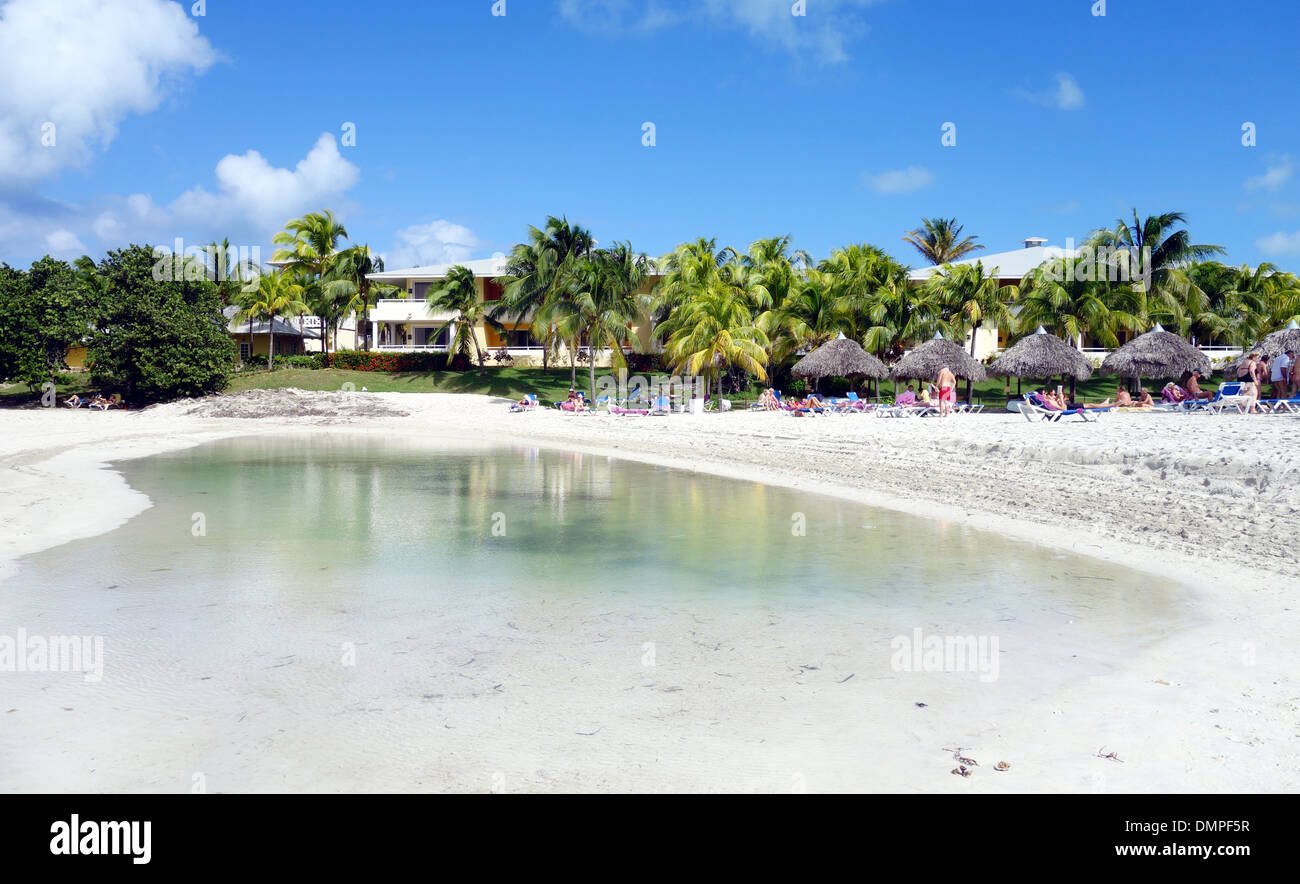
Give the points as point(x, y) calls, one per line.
point(481, 647)
point(347, 517)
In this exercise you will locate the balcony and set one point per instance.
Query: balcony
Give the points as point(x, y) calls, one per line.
point(408, 310)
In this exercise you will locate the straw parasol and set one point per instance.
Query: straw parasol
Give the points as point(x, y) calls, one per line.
point(1272, 346)
point(1156, 354)
point(926, 360)
point(840, 358)
point(1041, 355)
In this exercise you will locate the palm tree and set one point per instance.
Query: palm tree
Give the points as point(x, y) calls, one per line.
point(1155, 255)
point(939, 240)
point(969, 299)
point(226, 269)
point(1237, 303)
point(348, 283)
point(690, 269)
point(310, 242)
point(896, 314)
point(857, 272)
point(605, 304)
point(777, 267)
point(1062, 296)
point(311, 245)
point(277, 295)
point(809, 317)
point(459, 294)
point(540, 280)
point(711, 332)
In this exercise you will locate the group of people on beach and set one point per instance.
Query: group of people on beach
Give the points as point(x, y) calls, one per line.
point(768, 402)
point(1282, 372)
point(96, 403)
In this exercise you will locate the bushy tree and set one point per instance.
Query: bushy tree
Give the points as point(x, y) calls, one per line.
point(43, 312)
point(158, 339)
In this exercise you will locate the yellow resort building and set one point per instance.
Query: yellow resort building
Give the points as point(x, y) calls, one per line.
point(406, 324)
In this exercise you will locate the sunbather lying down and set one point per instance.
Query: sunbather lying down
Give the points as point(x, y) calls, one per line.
point(97, 402)
point(1124, 400)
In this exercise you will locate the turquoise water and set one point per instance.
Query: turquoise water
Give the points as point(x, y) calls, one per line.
point(525, 594)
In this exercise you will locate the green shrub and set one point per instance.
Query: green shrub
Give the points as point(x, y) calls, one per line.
point(359, 360)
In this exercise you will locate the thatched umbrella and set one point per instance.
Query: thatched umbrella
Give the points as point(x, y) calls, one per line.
point(1272, 346)
point(929, 358)
point(1156, 354)
point(840, 358)
point(926, 360)
point(1041, 355)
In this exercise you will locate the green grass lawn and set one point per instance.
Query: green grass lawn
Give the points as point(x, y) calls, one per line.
point(551, 385)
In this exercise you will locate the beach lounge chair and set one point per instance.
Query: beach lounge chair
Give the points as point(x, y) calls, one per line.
point(1033, 410)
point(661, 405)
point(1281, 406)
point(1230, 397)
point(528, 404)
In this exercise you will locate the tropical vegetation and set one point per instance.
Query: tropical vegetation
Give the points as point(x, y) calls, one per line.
point(731, 315)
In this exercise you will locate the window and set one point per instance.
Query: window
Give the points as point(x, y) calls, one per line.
point(245, 351)
point(428, 337)
point(520, 337)
point(420, 291)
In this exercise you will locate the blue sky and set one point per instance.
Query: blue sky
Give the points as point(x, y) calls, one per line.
point(470, 126)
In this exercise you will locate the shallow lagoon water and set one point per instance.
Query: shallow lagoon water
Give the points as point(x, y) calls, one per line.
point(335, 612)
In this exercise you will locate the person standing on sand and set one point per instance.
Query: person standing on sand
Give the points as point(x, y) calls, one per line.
point(1281, 375)
point(947, 384)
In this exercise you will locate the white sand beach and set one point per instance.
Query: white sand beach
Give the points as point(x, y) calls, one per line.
point(1211, 502)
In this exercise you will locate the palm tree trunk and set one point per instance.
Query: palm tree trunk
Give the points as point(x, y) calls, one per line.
point(270, 345)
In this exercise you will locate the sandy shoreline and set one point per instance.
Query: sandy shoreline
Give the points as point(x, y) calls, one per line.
point(1213, 707)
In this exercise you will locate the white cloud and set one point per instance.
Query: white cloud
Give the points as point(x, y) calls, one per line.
point(64, 241)
point(1067, 95)
point(83, 66)
point(1277, 174)
point(251, 201)
point(250, 188)
point(1279, 244)
point(900, 180)
point(107, 227)
point(821, 32)
point(438, 242)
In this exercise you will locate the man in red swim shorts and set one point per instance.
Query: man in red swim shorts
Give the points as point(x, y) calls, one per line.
point(947, 384)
